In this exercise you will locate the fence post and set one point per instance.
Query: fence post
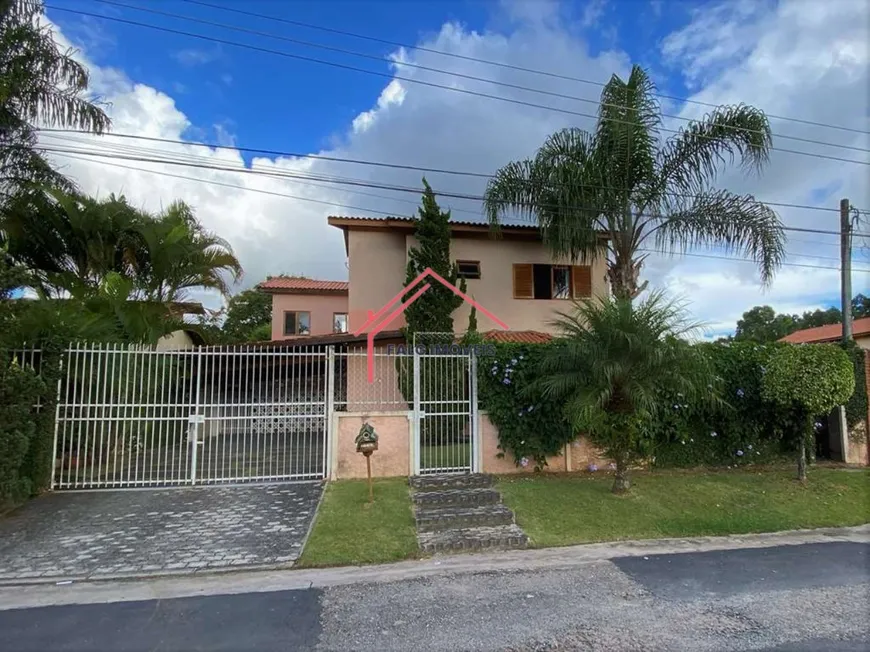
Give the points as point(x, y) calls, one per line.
point(60, 366)
point(475, 417)
point(195, 453)
point(415, 417)
point(329, 448)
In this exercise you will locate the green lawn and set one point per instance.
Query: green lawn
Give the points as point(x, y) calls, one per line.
point(567, 509)
point(445, 456)
point(348, 530)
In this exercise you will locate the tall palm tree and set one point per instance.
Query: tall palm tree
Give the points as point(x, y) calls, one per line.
point(39, 84)
point(613, 362)
point(181, 255)
point(624, 181)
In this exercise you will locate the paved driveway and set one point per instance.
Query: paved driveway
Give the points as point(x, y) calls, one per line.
point(102, 534)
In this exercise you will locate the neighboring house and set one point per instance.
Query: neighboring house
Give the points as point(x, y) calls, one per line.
point(513, 275)
point(303, 307)
point(832, 333)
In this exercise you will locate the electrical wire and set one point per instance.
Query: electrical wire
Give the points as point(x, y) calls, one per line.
point(401, 78)
point(369, 210)
point(460, 75)
point(499, 64)
point(380, 164)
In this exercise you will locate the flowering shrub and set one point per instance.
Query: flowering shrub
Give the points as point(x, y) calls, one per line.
point(530, 426)
point(745, 429)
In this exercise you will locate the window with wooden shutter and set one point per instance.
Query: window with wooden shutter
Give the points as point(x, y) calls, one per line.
point(524, 286)
point(582, 281)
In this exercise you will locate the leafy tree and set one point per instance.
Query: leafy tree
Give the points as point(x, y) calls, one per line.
point(611, 365)
point(860, 306)
point(41, 84)
point(249, 317)
point(809, 380)
point(762, 324)
point(432, 312)
point(642, 191)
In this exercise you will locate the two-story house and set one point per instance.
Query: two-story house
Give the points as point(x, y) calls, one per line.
point(514, 276)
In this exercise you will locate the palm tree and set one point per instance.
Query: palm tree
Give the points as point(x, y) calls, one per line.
point(39, 83)
point(625, 182)
point(611, 365)
point(182, 255)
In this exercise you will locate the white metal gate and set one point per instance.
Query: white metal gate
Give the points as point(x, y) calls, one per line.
point(137, 416)
point(445, 415)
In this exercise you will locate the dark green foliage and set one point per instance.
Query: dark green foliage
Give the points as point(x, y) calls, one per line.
point(763, 324)
point(21, 448)
point(432, 312)
point(743, 429)
point(856, 406)
point(249, 317)
point(531, 426)
point(610, 367)
point(808, 380)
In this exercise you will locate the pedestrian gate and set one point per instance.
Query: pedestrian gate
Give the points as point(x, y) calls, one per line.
point(130, 416)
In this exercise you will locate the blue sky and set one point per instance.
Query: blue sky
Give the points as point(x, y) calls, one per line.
point(788, 57)
point(270, 101)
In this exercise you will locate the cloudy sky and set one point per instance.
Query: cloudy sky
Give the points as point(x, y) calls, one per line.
point(802, 59)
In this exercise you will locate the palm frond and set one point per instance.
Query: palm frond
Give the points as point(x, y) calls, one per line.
point(738, 223)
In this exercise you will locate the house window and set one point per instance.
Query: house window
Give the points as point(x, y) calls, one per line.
point(468, 268)
point(552, 281)
point(339, 322)
point(297, 323)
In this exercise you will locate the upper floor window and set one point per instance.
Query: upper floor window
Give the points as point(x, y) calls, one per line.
point(339, 322)
point(297, 323)
point(533, 281)
point(468, 268)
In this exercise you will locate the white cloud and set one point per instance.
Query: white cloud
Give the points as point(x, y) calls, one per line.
point(774, 64)
point(192, 57)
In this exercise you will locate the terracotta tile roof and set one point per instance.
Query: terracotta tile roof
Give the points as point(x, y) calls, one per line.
point(518, 337)
point(404, 218)
point(829, 333)
point(291, 285)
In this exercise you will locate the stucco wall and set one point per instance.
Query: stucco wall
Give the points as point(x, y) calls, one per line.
point(382, 395)
point(377, 260)
point(174, 341)
point(321, 306)
point(393, 457)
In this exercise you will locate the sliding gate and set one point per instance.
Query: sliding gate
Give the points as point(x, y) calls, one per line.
point(137, 417)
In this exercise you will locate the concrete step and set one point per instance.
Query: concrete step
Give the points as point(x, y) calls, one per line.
point(499, 537)
point(445, 518)
point(456, 497)
point(455, 481)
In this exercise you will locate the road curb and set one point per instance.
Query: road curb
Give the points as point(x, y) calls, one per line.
point(241, 580)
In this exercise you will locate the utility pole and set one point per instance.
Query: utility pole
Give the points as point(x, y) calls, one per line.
point(846, 268)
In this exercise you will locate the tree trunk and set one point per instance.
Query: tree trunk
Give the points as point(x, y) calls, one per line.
point(623, 276)
point(621, 481)
point(802, 461)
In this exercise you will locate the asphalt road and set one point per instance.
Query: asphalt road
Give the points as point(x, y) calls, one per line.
point(805, 598)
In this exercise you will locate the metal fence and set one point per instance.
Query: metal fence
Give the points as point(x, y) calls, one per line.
point(137, 416)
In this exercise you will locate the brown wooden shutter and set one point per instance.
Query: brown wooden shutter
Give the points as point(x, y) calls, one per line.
point(524, 286)
point(581, 279)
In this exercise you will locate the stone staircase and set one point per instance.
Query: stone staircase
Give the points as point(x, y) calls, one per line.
point(463, 512)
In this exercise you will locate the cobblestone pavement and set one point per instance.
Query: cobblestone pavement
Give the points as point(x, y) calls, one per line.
point(153, 531)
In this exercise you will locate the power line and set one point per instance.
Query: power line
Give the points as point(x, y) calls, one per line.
point(379, 58)
point(369, 210)
point(401, 78)
point(336, 180)
point(499, 64)
point(335, 159)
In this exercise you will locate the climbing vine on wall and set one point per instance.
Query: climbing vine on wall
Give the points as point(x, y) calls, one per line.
point(531, 427)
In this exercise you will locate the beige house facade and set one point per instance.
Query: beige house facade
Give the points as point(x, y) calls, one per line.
point(513, 275)
point(303, 307)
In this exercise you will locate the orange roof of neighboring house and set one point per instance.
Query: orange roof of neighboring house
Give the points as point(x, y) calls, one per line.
point(829, 333)
point(296, 285)
point(518, 337)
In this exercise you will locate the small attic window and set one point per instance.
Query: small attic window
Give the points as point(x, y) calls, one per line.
point(468, 268)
